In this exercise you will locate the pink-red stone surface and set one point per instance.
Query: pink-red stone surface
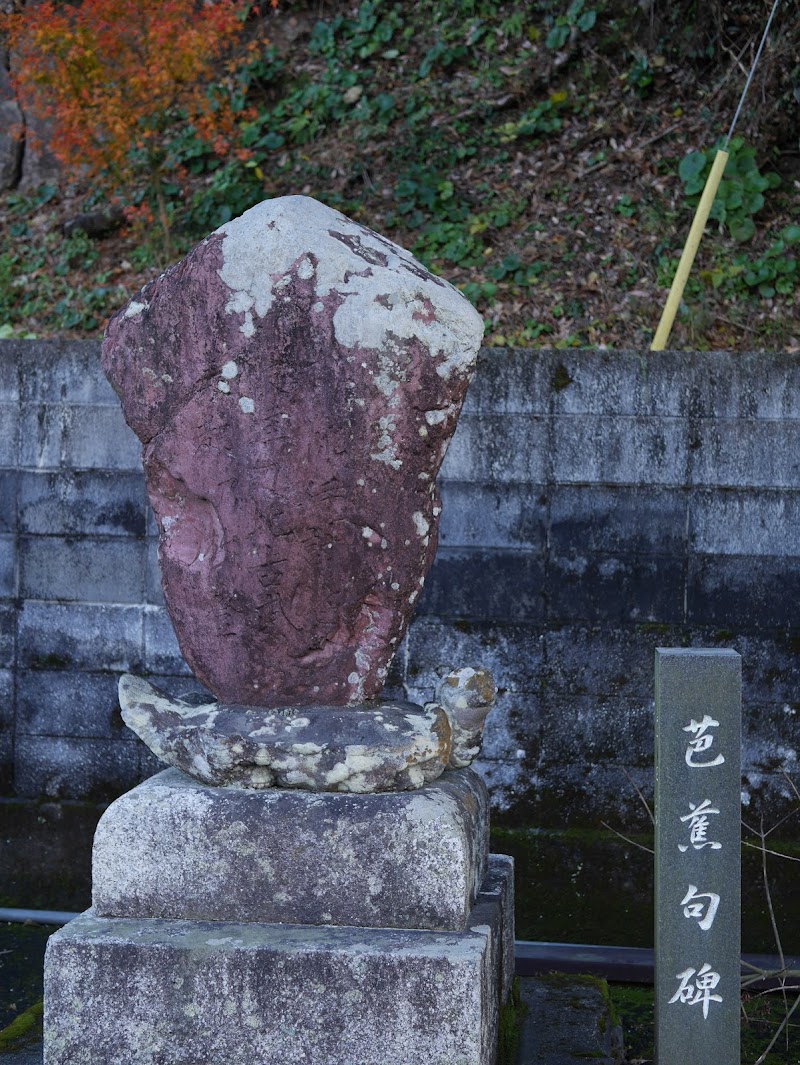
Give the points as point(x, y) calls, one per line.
point(295, 381)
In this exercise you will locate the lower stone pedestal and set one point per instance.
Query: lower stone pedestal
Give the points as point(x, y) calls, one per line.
point(177, 988)
point(121, 991)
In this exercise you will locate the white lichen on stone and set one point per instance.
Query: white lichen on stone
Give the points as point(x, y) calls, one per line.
point(437, 416)
point(390, 373)
point(415, 776)
point(421, 524)
point(134, 308)
point(307, 749)
point(224, 387)
point(229, 370)
point(481, 929)
point(246, 405)
point(298, 722)
point(212, 744)
point(385, 428)
point(392, 295)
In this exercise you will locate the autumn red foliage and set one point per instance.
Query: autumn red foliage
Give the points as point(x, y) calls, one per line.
point(115, 75)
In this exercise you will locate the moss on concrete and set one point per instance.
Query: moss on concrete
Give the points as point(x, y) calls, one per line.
point(27, 1025)
point(509, 1024)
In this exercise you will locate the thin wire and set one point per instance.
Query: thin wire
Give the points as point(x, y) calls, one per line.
point(752, 72)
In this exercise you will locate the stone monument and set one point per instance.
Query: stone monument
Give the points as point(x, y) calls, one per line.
point(310, 880)
point(698, 855)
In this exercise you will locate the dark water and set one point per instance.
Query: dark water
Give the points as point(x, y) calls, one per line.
point(592, 887)
point(21, 954)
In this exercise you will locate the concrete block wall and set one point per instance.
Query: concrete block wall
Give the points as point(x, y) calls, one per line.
point(76, 584)
point(596, 505)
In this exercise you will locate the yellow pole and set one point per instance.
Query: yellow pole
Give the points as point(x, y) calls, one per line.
point(689, 252)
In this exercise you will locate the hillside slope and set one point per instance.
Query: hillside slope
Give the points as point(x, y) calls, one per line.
point(529, 152)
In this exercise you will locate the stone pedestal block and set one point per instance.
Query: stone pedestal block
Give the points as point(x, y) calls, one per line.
point(240, 927)
point(498, 890)
point(174, 848)
point(171, 992)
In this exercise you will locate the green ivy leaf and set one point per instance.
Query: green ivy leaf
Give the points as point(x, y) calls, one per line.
point(691, 167)
point(742, 229)
point(733, 197)
point(557, 37)
point(753, 180)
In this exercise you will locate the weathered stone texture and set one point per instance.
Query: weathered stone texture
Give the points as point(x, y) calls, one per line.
point(10, 143)
point(175, 848)
point(388, 746)
point(38, 163)
point(496, 888)
point(466, 696)
point(119, 992)
point(56, 766)
point(295, 382)
point(385, 746)
point(122, 991)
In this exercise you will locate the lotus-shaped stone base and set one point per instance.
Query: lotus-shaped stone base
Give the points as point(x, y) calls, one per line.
point(387, 746)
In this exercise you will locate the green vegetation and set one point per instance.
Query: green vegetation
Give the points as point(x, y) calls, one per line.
point(578, 18)
point(741, 191)
point(761, 1016)
point(543, 157)
point(25, 1026)
point(38, 280)
point(509, 1023)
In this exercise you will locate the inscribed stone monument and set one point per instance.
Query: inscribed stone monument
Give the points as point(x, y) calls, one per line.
point(295, 382)
point(310, 881)
point(698, 855)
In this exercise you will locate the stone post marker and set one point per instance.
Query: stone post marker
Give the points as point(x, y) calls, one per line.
point(310, 880)
point(698, 856)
